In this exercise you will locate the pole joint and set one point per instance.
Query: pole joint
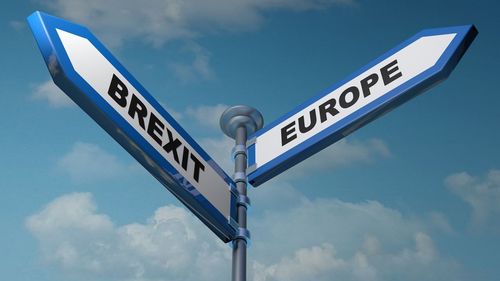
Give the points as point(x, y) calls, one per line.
point(239, 149)
point(239, 177)
point(244, 235)
point(244, 201)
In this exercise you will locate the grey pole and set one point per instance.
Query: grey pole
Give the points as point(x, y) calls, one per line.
point(238, 122)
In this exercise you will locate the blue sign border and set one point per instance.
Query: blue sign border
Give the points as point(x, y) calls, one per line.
point(44, 29)
point(440, 71)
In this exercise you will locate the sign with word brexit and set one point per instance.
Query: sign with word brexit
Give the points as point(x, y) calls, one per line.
point(87, 72)
point(397, 76)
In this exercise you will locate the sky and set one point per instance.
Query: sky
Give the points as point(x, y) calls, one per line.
point(414, 195)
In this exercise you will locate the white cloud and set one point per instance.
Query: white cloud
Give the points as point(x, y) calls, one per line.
point(321, 239)
point(351, 241)
point(162, 20)
point(344, 153)
point(89, 162)
point(441, 223)
point(306, 264)
point(220, 150)
point(306, 223)
point(198, 69)
point(482, 194)
point(177, 115)
point(86, 245)
point(265, 198)
point(49, 92)
point(418, 260)
point(207, 115)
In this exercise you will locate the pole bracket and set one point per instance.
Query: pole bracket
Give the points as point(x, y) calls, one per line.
point(238, 149)
point(244, 201)
point(240, 177)
point(242, 234)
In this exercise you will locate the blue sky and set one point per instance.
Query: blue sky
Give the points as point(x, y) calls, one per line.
point(414, 195)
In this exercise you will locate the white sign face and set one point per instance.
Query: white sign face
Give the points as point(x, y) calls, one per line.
point(374, 90)
point(337, 105)
point(106, 80)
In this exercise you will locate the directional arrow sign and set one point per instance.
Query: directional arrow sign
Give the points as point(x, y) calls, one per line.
point(402, 73)
point(82, 67)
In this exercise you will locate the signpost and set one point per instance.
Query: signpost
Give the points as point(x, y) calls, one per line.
point(87, 72)
point(397, 76)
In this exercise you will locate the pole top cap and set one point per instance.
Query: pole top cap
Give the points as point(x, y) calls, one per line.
point(238, 116)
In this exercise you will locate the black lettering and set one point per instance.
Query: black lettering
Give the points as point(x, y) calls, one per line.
point(185, 154)
point(155, 126)
point(118, 91)
point(172, 145)
point(355, 96)
point(312, 117)
point(287, 133)
point(197, 167)
point(389, 70)
point(137, 107)
point(367, 83)
point(327, 107)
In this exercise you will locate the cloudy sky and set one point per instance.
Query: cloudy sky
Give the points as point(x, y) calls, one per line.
point(414, 195)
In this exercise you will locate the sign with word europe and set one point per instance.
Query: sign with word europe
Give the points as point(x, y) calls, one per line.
point(397, 76)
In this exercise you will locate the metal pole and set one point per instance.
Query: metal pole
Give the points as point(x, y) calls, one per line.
point(238, 122)
point(240, 245)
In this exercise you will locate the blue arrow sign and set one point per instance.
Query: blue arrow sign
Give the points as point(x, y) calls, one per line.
point(392, 79)
point(87, 72)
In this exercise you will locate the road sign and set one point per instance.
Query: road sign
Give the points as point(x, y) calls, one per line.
point(87, 72)
point(397, 76)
